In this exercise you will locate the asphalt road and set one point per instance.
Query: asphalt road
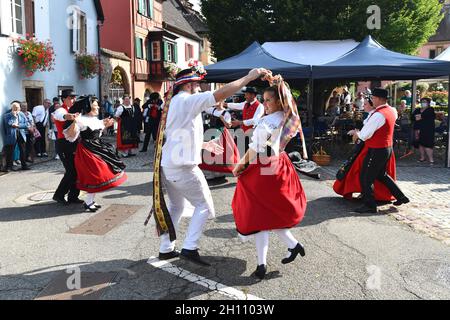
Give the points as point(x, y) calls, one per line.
point(348, 256)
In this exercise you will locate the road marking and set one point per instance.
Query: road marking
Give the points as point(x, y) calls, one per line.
point(202, 281)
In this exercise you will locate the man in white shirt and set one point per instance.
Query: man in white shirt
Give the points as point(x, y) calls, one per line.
point(41, 118)
point(250, 118)
point(182, 154)
point(359, 102)
point(378, 135)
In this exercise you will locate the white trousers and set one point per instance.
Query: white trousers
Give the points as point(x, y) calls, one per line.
point(262, 243)
point(187, 185)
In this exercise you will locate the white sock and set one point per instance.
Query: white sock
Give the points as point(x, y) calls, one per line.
point(262, 246)
point(288, 238)
point(90, 198)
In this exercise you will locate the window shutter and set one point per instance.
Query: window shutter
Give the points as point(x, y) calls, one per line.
point(75, 32)
point(29, 17)
point(150, 9)
point(175, 53)
point(166, 50)
point(138, 48)
point(5, 18)
point(149, 50)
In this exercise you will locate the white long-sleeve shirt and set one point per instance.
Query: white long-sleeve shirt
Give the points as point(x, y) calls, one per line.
point(184, 129)
point(258, 114)
point(217, 113)
point(374, 121)
point(40, 114)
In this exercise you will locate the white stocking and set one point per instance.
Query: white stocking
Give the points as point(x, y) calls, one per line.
point(90, 198)
point(287, 237)
point(262, 246)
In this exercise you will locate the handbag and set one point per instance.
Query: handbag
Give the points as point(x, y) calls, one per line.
point(36, 134)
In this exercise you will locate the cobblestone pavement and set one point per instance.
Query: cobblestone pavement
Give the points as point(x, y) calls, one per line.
point(429, 192)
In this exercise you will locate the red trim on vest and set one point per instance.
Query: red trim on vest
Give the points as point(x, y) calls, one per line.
point(60, 124)
point(384, 137)
point(248, 113)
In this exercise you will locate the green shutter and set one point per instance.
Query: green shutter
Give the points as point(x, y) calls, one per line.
point(175, 52)
point(150, 9)
point(139, 51)
point(149, 50)
point(166, 57)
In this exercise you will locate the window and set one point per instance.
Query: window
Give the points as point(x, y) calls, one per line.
point(79, 32)
point(432, 54)
point(145, 7)
point(189, 51)
point(170, 52)
point(17, 15)
point(156, 51)
point(139, 48)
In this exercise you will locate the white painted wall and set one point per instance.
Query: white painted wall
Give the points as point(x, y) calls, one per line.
point(52, 18)
point(181, 41)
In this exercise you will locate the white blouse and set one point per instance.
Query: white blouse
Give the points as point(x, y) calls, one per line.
point(267, 133)
point(82, 124)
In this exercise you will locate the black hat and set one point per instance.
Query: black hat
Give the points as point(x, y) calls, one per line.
point(68, 93)
point(55, 100)
point(426, 99)
point(250, 90)
point(155, 96)
point(82, 105)
point(380, 93)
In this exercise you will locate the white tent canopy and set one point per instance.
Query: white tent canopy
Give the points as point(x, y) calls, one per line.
point(444, 56)
point(312, 53)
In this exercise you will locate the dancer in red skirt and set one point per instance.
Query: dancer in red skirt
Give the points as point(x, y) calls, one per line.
point(97, 165)
point(271, 177)
point(218, 131)
point(348, 181)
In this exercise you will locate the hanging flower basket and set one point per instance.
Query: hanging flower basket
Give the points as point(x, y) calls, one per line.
point(89, 65)
point(36, 55)
point(171, 70)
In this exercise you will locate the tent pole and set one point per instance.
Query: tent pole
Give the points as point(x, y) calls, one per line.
point(447, 158)
point(394, 104)
point(414, 96)
point(310, 103)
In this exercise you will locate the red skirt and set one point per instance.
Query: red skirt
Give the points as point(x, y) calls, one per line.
point(120, 146)
point(225, 162)
point(269, 199)
point(93, 174)
point(351, 183)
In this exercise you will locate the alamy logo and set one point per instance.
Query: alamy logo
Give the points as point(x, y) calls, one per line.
point(374, 280)
point(374, 20)
point(74, 280)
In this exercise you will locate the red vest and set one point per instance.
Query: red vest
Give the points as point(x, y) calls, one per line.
point(384, 137)
point(248, 113)
point(60, 124)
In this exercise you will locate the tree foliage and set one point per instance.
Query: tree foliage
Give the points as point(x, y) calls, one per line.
point(234, 24)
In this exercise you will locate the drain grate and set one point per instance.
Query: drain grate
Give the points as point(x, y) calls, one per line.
point(92, 286)
point(106, 220)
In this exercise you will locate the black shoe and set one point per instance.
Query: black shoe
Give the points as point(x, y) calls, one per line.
point(193, 256)
point(170, 255)
point(61, 201)
point(401, 201)
point(75, 201)
point(143, 151)
point(294, 253)
point(366, 209)
point(89, 207)
point(261, 271)
point(25, 168)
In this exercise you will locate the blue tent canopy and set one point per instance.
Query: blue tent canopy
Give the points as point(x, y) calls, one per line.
point(254, 57)
point(370, 60)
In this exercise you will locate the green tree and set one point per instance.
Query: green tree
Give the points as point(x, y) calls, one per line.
point(405, 24)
